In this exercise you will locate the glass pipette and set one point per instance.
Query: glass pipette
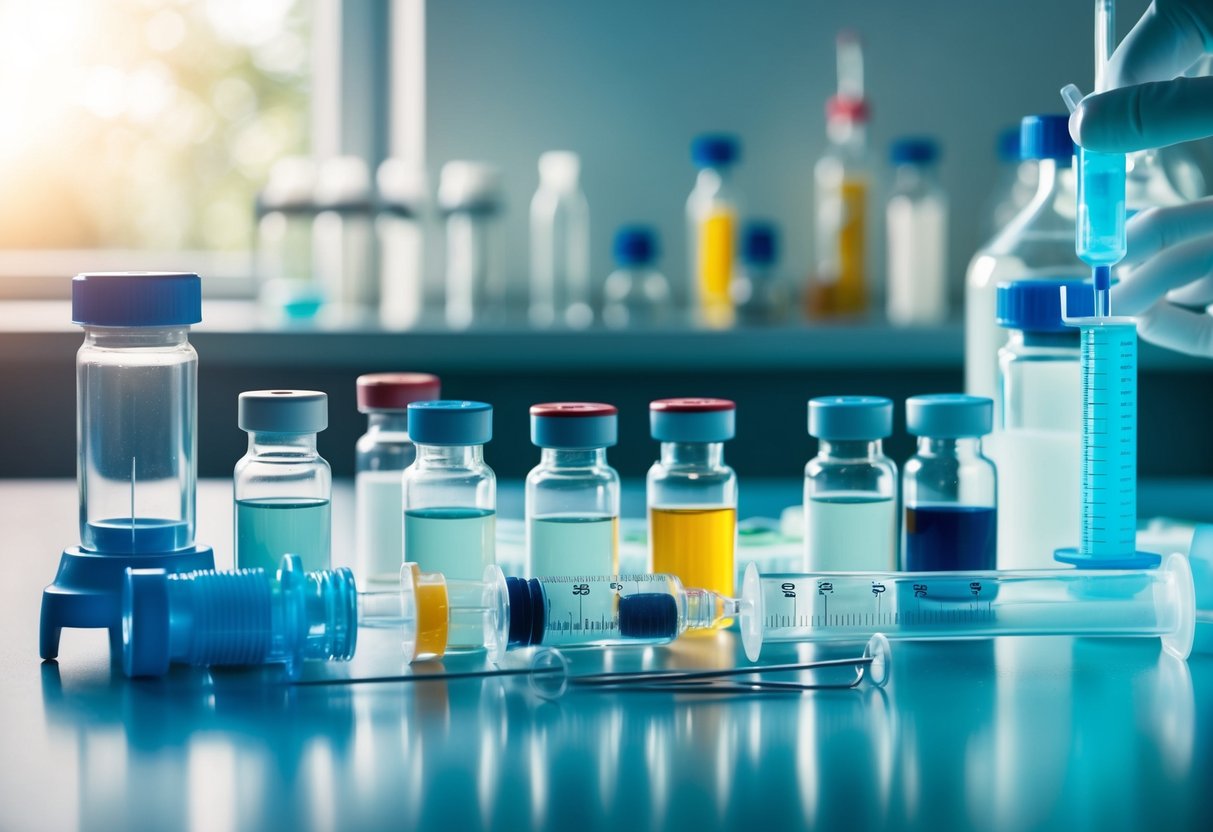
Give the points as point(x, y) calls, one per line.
point(852, 606)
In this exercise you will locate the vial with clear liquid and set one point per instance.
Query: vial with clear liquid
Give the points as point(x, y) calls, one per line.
point(282, 486)
point(572, 496)
point(381, 455)
point(850, 487)
point(692, 493)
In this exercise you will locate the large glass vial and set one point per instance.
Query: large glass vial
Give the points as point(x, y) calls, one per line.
point(286, 209)
point(560, 244)
point(950, 490)
point(572, 496)
point(344, 239)
point(469, 196)
point(712, 219)
point(282, 486)
point(850, 487)
point(380, 457)
point(692, 494)
point(137, 400)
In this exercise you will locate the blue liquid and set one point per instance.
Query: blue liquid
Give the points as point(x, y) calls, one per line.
point(950, 537)
point(268, 529)
point(139, 535)
point(1101, 208)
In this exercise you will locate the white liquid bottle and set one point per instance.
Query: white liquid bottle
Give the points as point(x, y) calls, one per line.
point(917, 224)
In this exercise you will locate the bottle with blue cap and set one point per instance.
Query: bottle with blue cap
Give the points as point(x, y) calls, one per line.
point(712, 217)
point(760, 297)
point(636, 294)
point(572, 496)
point(137, 415)
point(450, 496)
point(692, 493)
point(1038, 244)
point(1039, 421)
point(917, 227)
point(282, 486)
point(850, 487)
point(949, 487)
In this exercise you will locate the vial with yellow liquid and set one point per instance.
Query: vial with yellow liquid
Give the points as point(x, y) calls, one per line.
point(712, 212)
point(692, 494)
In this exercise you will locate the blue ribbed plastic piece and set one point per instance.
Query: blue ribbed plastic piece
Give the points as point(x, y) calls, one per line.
point(1035, 305)
point(648, 615)
point(949, 415)
point(846, 418)
point(136, 299)
point(528, 611)
point(450, 423)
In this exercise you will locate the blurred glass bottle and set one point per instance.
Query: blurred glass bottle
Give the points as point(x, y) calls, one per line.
point(760, 296)
point(839, 283)
point(712, 212)
point(344, 242)
point(560, 244)
point(917, 225)
point(469, 196)
point(636, 293)
point(400, 227)
point(1015, 186)
point(285, 212)
point(1037, 245)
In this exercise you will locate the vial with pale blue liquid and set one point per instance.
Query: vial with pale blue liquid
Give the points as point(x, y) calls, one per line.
point(282, 486)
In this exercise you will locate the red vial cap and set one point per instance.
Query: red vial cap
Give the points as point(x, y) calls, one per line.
point(573, 409)
point(847, 109)
point(395, 391)
point(691, 405)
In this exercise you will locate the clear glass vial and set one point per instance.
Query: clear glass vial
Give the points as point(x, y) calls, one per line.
point(400, 228)
point(636, 293)
point(949, 488)
point(344, 238)
point(286, 209)
point(692, 493)
point(282, 486)
point(560, 244)
point(916, 221)
point(712, 218)
point(469, 196)
point(380, 457)
point(757, 291)
point(572, 496)
point(850, 487)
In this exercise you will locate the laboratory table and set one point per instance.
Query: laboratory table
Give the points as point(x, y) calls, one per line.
point(1004, 734)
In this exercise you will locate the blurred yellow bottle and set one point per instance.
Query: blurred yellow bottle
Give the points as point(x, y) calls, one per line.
point(717, 255)
point(712, 229)
point(696, 545)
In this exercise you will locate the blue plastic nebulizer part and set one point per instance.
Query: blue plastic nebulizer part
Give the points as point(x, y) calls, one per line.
point(245, 617)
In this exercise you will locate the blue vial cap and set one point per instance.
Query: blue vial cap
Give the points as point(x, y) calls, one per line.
point(715, 150)
point(760, 243)
point(914, 150)
point(283, 411)
point(574, 425)
point(145, 624)
point(949, 415)
point(836, 418)
point(446, 422)
point(1008, 145)
point(125, 299)
point(635, 245)
point(1046, 137)
point(1035, 305)
point(693, 420)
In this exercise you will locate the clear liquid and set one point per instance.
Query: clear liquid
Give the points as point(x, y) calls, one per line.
point(1037, 514)
point(848, 532)
point(696, 545)
point(459, 543)
point(572, 544)
point(379, 529)
point(269, 528)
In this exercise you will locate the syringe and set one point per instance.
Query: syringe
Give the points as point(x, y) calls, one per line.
point(852, 606)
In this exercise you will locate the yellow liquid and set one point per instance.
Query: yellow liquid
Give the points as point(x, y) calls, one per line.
point(696, 545)
point(846, 293)
point(717, 239)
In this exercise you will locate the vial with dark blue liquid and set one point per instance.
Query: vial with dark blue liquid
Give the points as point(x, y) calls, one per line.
point(949, 488)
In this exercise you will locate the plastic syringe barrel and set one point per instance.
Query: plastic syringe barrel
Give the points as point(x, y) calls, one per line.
point(1100, 232)
point(852, 606)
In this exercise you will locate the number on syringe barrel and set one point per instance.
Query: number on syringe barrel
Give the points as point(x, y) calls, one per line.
point(583, 608)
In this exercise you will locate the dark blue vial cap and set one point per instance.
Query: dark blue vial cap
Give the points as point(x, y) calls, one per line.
point(122, 299)
point(1046, 137)
point(145, 650)
point(715, 150)
point(450, 423)
point(635, 245)
point(1007, 145)
point(574, 425)
point(949, 415)
point(760, 243)
point(1035, 305)
point(841, 418)
point(914, 150)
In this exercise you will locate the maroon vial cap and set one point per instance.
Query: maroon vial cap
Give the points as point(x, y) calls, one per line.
point(573, 409)
point(395, 391)
point(691, 405)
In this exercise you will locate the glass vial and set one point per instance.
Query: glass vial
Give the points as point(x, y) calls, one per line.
point(344, 239)
point(712, 218)
point(636, 293)
point(692, 494)
point(137, 410)
point(757, 291)
point(286, 210)
point(850, 487)
point(572, 496)
point(560, 244)
point(917, 226)
point(469, 196)
point(949, 488)
point(282, 486)
point(400, 229)
point(380, 457)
